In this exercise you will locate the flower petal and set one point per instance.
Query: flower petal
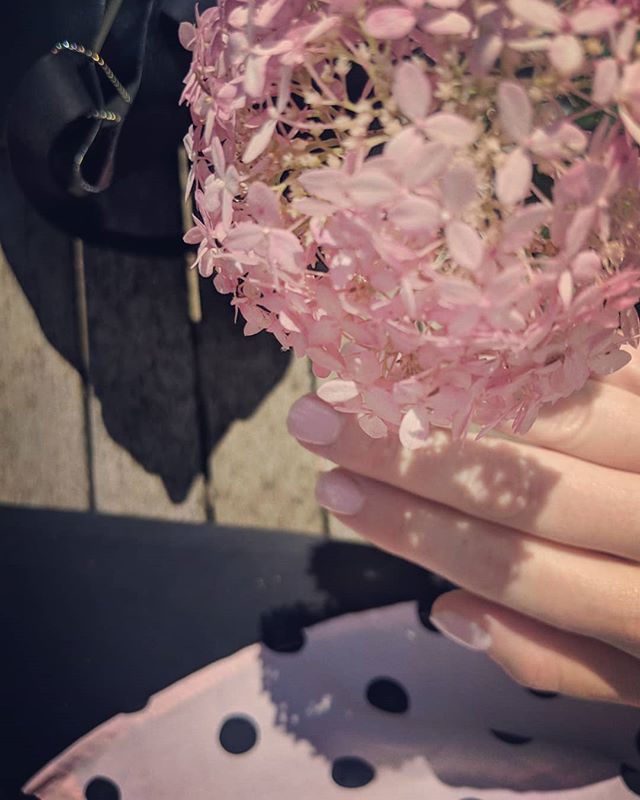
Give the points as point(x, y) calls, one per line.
point(415, 215)
point(412, 91)
point(245, 236)
point(459, 188)
point(381, 402)
point(540, 15)
point(390, 22)
point(565, 288)
point(515, 109)
point(566, 54)
point(630, 123)
point(372, 187)
point(626, 40)
point(465, 245)
point(520, 228)
point(259, 141)
point(606, 363)
point(337, 391)
point(579, 229)
point(414, 429)
point(605, 81)
point(446, 23)
point(373, 426)
point(420, 162)
point(263, 205)
point(595, 19)
point(435, 158)
point(312, 207)
point(321, 27)
point(513, 178)
point(405, 146)
point(562, 141)
point(187, 35)
point(450, 129)
point(442, 3)
point(255, 74)
point(256, 319)
point(325, 183)
point(321, 357)
point(586, 265)
point(266, 12)
point(486, 51)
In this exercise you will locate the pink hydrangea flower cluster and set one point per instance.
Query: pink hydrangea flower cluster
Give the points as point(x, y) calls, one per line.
point(436, 201)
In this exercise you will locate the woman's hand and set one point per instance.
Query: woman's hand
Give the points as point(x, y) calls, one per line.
point(541, 531)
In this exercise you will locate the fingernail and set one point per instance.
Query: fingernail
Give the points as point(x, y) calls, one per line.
point(313, 422)
point(461, 630)
point(338, 493)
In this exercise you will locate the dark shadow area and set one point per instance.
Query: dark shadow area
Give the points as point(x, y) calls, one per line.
point(168, 389)
point(352, 578)
point(98, 613)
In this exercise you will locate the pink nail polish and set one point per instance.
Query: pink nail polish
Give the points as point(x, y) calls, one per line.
point(461, 630)
point(339, 494)
point(314, 422)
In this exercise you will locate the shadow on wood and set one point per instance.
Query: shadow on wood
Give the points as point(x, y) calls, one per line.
point(168, 389)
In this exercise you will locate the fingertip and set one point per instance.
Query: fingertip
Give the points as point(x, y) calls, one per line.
point(312, 421)
point(339, 493)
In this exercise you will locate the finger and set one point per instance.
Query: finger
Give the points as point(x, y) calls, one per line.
point(596, 424)
point(538, 656)
point(628, 377)
point(531, 489)
point(576, 590)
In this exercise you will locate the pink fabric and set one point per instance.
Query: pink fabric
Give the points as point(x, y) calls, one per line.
point(310, 708)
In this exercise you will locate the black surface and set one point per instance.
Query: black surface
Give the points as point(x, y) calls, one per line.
point(98, 613)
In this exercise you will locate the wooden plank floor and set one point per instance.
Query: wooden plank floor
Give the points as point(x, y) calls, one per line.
point(42, 440)
point(117, 397)
point(259, 474)
point(104, 442)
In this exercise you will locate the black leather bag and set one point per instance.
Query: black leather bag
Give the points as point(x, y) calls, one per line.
point(94, 125)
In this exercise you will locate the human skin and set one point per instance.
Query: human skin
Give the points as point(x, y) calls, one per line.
point(541, 532)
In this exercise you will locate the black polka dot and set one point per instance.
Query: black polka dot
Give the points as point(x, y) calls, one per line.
point(283, 633)
point(352, 772)
point(291, 643)
point(540, 693)
point(101, 789)
point(631, 778)
point(238, 735)
point(510, 738)
point(388, 695)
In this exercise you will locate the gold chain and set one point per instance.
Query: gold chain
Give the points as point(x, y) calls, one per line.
point(73, 47)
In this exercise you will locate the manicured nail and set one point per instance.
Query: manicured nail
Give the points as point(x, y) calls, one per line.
point(338, 493)
point(313, 422)
point(461, 630)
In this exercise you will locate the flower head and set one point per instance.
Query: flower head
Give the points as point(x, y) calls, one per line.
point(436, 201)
